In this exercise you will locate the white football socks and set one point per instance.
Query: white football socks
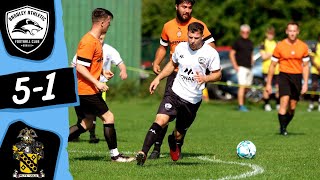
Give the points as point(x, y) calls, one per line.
point(114, 152)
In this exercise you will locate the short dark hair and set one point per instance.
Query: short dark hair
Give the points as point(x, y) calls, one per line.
point(293, 23)
point(100, 13)
point(187, 1)
point(196, 27)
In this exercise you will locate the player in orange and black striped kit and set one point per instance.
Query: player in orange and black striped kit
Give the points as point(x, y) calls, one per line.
point(174, 32)
point(89, 67)
point(292, 54)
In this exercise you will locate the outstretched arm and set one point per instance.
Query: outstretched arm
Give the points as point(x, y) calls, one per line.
point(168, 69)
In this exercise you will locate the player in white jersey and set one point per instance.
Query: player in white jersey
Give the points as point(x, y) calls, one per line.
point(110, 56)
point(193, 59)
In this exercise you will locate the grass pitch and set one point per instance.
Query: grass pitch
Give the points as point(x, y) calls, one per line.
point(209, 151)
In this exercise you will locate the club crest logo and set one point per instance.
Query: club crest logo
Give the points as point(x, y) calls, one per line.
point(201, 60)
point(29, 152)
point(168, 106)
point(179, 33)
point(27, 27)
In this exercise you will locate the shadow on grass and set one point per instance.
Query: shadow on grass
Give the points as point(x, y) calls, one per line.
point(190, 155)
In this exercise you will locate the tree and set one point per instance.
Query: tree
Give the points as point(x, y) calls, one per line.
point(224, 18)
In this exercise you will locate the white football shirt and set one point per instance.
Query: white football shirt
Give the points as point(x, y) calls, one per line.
point(110, 55)
point(189, 62)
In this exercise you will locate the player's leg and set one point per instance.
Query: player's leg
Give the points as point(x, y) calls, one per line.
point(282, 114)
point(157, 145)
point(296, 86)
point(185, 116)
point(242, 81)
point(284, 93)
point(110, 133)
point(76, 130)
point(155, 154)
point(161, 121)
point(75, 139)
point(92, 131)
point(275, 83)
point(318, 97)
point(291, 111)
point(314, 87)
point(166, 112)
point(85, 115)
point(266, 96)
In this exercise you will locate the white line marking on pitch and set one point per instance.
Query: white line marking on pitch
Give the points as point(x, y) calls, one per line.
point(256, 169)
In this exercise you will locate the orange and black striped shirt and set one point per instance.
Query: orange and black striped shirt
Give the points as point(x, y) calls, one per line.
point(291, 56)
point(173, 33)
point(89, 54)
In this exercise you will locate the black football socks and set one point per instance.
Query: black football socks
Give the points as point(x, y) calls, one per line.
point(282, 121)
point(110, 135)
point(151, 137)
point(75, 131)
point(159, 139)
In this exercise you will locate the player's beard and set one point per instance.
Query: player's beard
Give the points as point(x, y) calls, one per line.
point(181, 19)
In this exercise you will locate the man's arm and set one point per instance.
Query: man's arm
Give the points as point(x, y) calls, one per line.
point(167, 70)
point(212, 77)
point(86, 74)
point(123, 71)
point(232, 56)
point(305, 76)
point(160, 54)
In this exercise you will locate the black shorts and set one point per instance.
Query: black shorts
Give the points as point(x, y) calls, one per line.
point(169, 83)
point(290, 84)
point(275, 79)
point(91, 105)
point(176, 107)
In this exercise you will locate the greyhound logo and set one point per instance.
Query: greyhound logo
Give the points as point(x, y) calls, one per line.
point(27, 27)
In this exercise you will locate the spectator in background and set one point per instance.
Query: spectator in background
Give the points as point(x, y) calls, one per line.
point(315, 75)
point(241, 56)
point(266, 51)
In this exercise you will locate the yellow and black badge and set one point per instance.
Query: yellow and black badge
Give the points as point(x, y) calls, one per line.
point(29, 152)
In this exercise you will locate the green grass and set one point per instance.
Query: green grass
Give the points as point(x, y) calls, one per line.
point(215, 134)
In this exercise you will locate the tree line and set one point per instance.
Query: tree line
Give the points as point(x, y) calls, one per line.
point(224, 18)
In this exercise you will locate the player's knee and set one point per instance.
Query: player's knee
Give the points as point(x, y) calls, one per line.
point(162, 119)
point(86, 124)
point(108, 117)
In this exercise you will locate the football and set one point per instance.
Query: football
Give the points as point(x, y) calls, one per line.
point(246, 149)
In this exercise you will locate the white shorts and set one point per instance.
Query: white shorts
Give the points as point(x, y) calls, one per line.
point(245, 76)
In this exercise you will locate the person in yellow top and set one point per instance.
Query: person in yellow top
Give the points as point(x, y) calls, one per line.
point(315, 74)
point(266, 51)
